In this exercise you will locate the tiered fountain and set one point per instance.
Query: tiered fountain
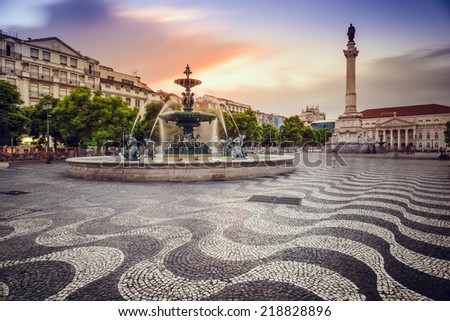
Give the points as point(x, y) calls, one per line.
point(189, 146)
point(189, 159)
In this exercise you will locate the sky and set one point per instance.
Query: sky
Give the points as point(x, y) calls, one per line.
point(277, 56)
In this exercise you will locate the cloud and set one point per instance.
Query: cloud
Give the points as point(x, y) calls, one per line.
point(24, 13)
point(164, 14)
point(421, 76)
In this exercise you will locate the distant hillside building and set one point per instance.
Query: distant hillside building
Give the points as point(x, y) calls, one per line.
point(269, 118)
point(311, 114)
point(325, 123)
point(225, 105)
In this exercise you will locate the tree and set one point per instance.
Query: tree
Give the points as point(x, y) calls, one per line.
point(270, 135)
point(309, 136)
point(323, 135)
point(38, 122)
point(292, 129)
point(246, 123)
point(111, 118)
point(447, 133)
point(82, 118)
point(72, 116)
point(145, 125)
point(13, 122)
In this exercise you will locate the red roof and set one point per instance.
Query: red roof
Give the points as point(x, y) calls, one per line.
point(406, 111)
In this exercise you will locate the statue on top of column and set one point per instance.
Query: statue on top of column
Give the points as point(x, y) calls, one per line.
point(351, 33)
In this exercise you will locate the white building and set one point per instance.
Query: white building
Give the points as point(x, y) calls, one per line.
point(225, 105)
point(45, 66)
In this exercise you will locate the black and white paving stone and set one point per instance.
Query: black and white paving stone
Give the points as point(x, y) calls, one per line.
point(376, 229)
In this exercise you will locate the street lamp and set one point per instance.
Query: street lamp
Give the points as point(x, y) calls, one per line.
point(280, 151)
point(48, 105)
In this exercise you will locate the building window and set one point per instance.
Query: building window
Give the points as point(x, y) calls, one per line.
point(420, 136)
point(118, 88)
point(34, 53)
point(428, 120)
point(420, 121)
point(10, 66)
point(428, 145)
point(63, 60)
point(46, 55)
point(428, 136)
point(436, 120)
point(73, 62)
point(90, 82)
point(436, 145)
point(128, 101)
point(62, 92)
point(436, 135)
point(73, 79)
point(10, 49)
point(34, 90)
point(110, 78)
point(108, 86)
point(63, 77)
point(128, 82)
point(420, 145)
point(137, 103)
point(34, 71)
point(91, 69)
point(46, 74)
point(46, 90)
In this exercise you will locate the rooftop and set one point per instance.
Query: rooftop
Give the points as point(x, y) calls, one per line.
point(428, 109)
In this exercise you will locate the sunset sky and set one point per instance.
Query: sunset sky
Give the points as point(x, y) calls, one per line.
point(276, 56)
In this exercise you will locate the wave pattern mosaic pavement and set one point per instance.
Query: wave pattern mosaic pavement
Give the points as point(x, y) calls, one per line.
point(376, 229)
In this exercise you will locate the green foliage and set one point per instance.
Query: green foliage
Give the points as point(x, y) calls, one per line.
point(38, 122)
point(145, 125)
point(247, 124)
point(82, 117)
point(271, 135)
point(309, 136)
point(323, 135)
point(292, 129)
point(447, 132)
point(14, 121)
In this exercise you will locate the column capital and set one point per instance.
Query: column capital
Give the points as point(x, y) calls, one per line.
point(351, 53)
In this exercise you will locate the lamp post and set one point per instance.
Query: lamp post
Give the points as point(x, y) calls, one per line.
point(280, 152)
point(48, 105)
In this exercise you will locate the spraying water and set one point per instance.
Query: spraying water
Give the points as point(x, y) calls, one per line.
point(234, 122)
point(139, 115)
point(164, 109)
point(222, 121)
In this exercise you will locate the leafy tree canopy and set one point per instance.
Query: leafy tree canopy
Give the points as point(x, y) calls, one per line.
point(292, 129)
point(246, 123)
point(13, 122)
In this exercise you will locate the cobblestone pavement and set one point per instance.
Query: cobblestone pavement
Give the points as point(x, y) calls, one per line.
point(377, 229)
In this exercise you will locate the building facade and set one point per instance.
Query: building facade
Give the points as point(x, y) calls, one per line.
point(225, 105)
point(421, 126)
point(325, 123)
point(269, 118)
point(129, 87)
point(45, 66)
point(49, 66)
point(311, 114)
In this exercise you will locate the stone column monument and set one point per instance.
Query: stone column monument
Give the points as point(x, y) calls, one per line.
point(348, 125)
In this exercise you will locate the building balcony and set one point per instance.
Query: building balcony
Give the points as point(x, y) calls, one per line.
point(10, 54)
point(91, 72)
point(10, 72)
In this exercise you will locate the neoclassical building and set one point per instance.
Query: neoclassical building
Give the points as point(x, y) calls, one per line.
point(422, 126)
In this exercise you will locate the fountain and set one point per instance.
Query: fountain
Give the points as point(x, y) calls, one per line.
point(189, 146)
point(187, 159)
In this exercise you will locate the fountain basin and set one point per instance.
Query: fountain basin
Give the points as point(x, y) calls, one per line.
point(115, 168)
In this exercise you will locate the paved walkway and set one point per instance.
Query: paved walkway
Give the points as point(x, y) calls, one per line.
point(376, 229)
